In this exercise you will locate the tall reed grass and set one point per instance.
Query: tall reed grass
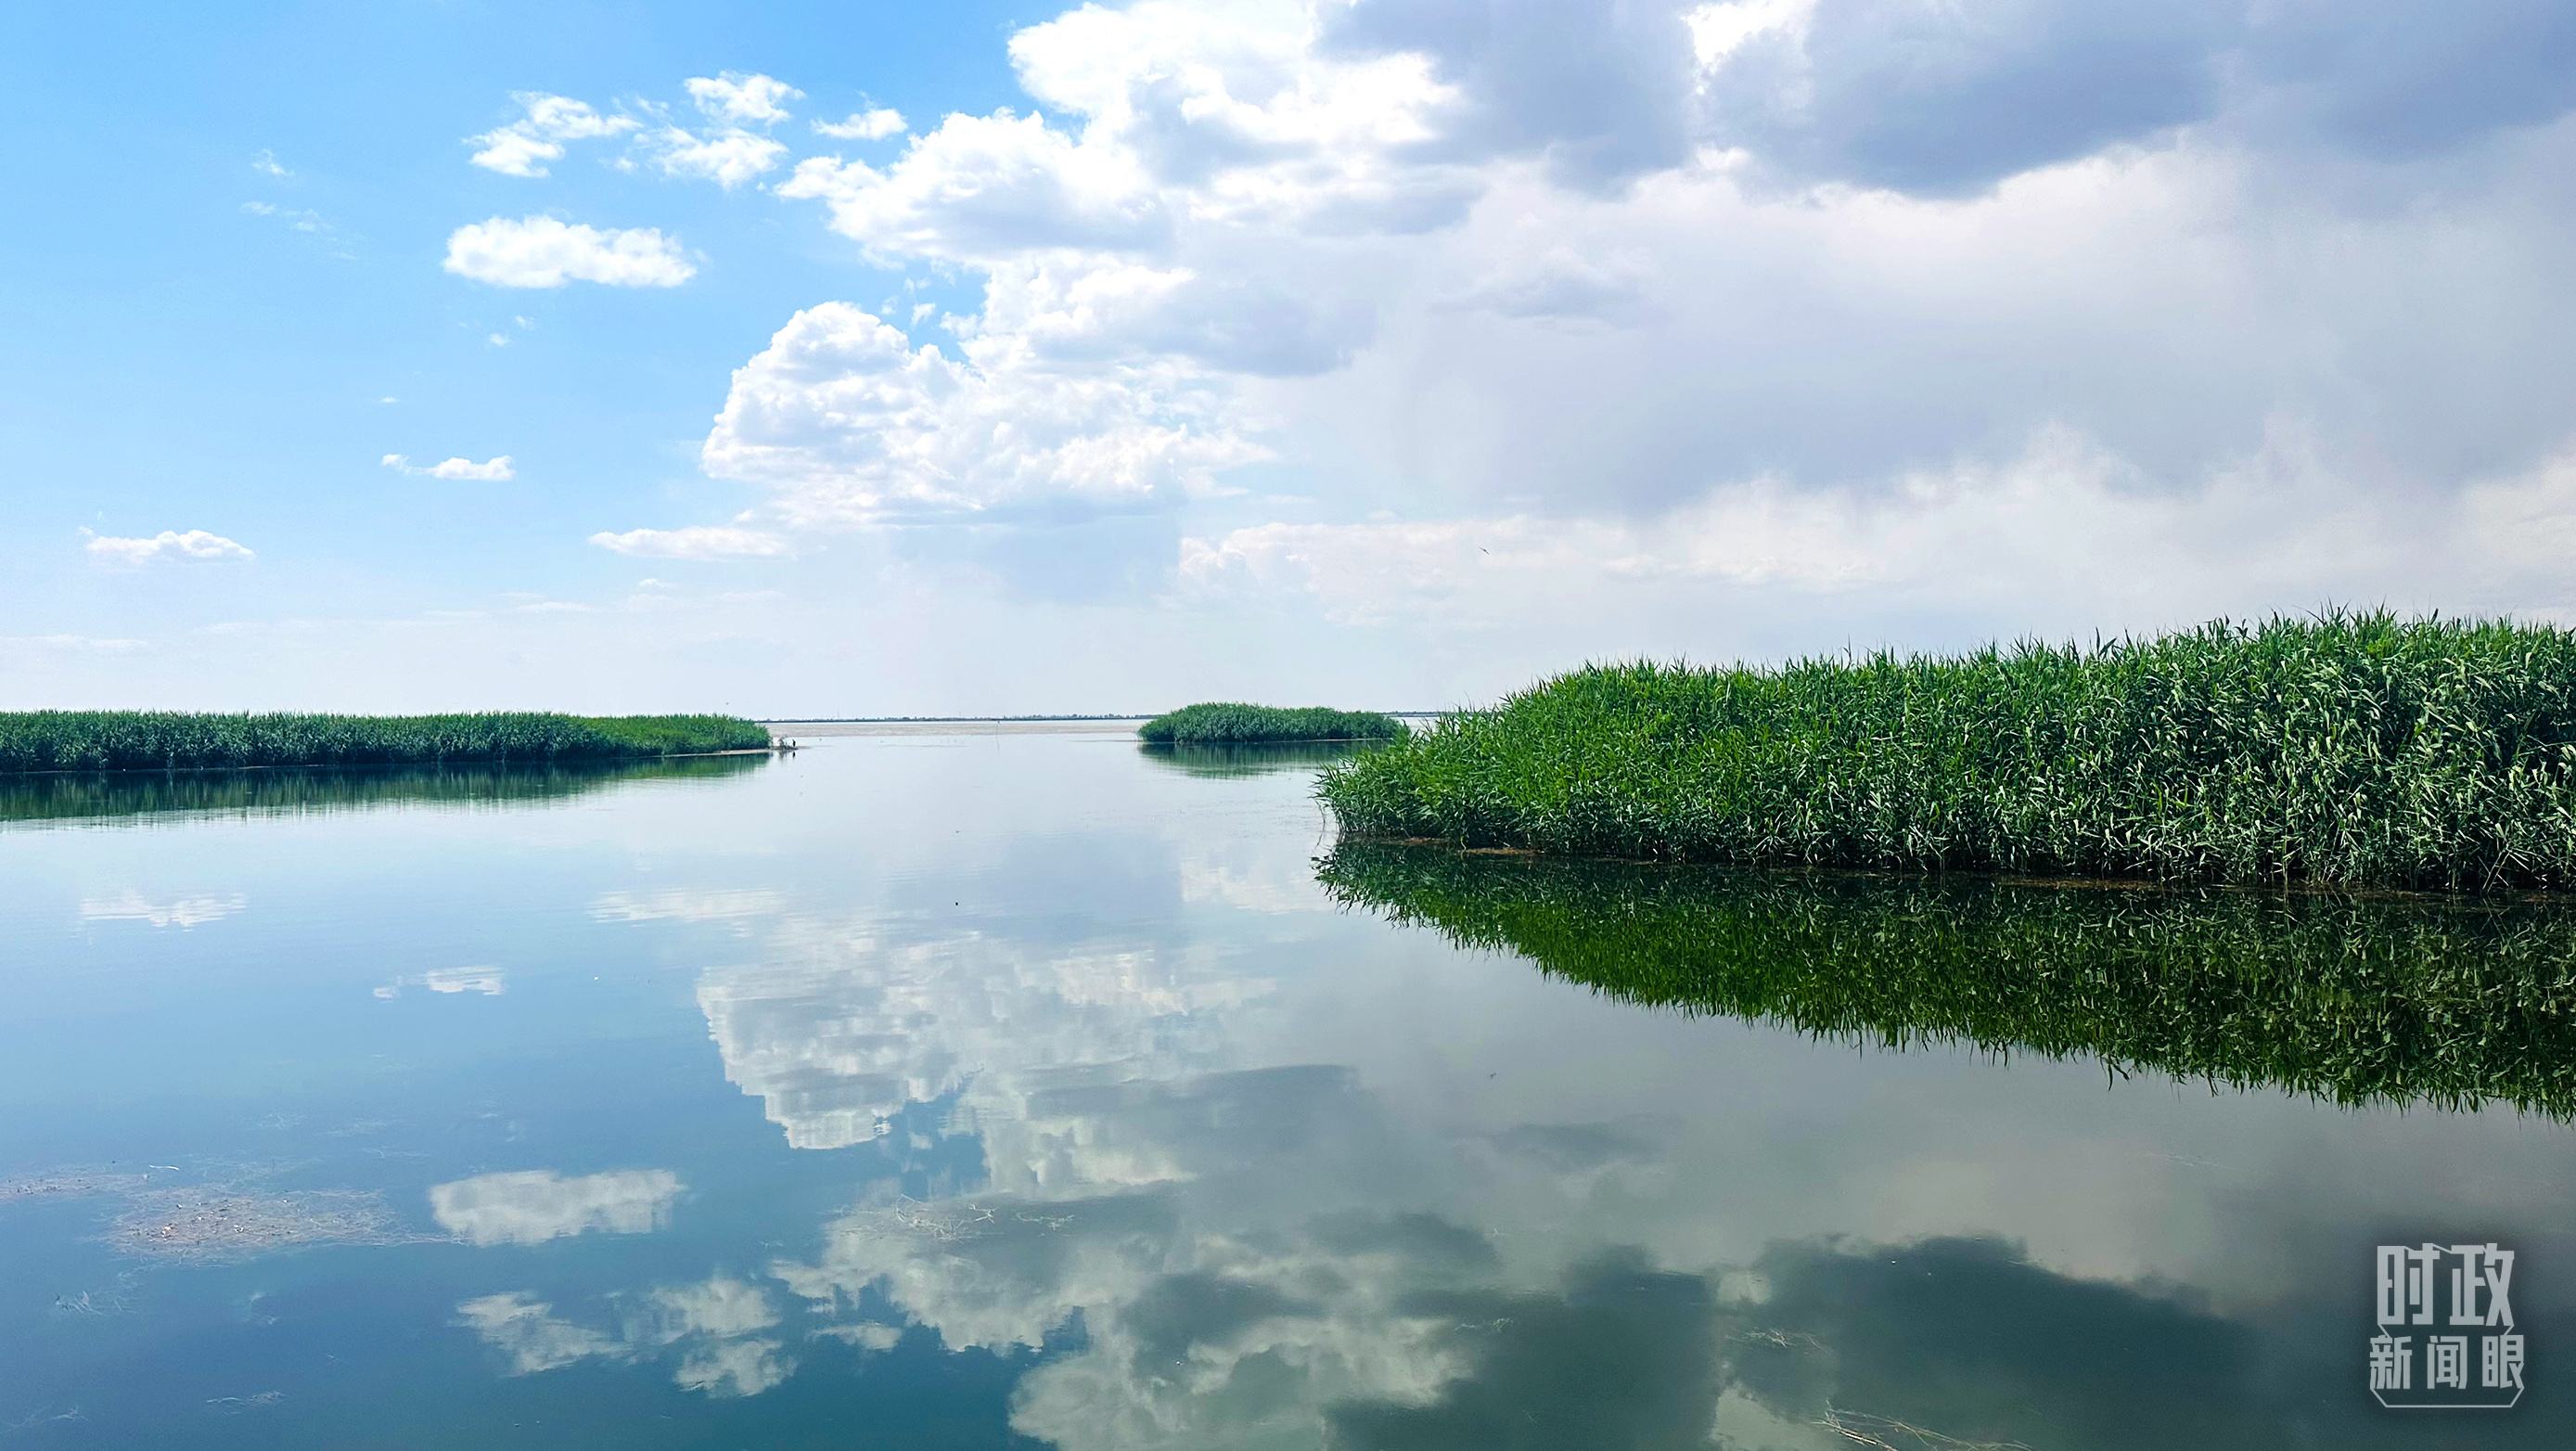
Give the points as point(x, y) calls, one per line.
point(1228, 723)
point(63, 740)
point(2353, 749)
point(2450, 1001)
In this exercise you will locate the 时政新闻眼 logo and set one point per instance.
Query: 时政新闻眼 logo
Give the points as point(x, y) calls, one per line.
point(2424, 1358)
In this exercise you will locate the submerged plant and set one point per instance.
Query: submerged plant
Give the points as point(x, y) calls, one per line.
point(110, 740)
point(1227, 723)
point(2455, 1002)
point(2354, 749)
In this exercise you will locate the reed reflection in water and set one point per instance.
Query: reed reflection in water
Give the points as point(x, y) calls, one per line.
point(2451, 1002)
point(124, 798)
point(1251, 759)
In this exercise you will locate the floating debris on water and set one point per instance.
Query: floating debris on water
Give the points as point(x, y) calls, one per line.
point(69, 1184)
point(219, 1224)
point(44, 1417)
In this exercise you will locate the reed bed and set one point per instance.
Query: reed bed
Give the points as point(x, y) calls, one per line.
point(62, 740)
point(1229, 723)
point(2455, 1002)
point(2350, 749)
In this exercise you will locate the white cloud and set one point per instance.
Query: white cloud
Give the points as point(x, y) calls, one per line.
point(728, 157)
point(535, 1206)
point(851, 424)
point(266, 164)
point(544, 252)
point(740, 99)
point(875, 124)
point(302, 221)
point(698, 541)
point(494, 470)
point(982, 188)
point(1718, 31)
point(195, 545)
point(523, 147)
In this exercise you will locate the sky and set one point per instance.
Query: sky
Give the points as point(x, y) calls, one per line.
point(869, 359)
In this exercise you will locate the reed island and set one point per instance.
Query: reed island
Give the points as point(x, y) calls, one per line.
point(1226, 723)
point(91, 740)
point(2345, 750)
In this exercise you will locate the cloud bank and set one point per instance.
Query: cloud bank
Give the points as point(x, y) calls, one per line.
point(1718, 306)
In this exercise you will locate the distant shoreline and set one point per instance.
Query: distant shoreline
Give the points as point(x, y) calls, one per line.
point(772, 720)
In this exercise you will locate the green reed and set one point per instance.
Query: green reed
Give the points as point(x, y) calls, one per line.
point(2354, 749)
point(2454, 1002)
point(67, 740)
point(1224, 722)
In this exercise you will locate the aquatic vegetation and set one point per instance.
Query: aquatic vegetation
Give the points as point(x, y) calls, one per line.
point(1227, 722)
point(73, 740)
point(2454, 1002)
point(125, 798)
point(2353, 749)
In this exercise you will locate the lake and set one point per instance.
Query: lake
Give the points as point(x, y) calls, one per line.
point(970, 1087)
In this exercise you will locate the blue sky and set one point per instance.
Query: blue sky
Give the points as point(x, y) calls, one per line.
point(1376, 353)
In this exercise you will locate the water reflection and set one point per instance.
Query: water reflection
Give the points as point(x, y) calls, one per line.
point(2455, 1003)
point(533, 1206)
point(1085, 1119)
point(841, 1029)
point(1233, 760)
point(715, 1330)
point(125, 797)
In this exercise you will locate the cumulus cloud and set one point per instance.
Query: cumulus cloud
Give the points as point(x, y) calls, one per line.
point(875, 124)
point(727, 157)
point(1940, 100)
point(523, 147)
point(545, 252)
point(852, 424)
point(496, 469)
point(742, 99)
point(698, 541)
point(194, 546)
point(1883, 301)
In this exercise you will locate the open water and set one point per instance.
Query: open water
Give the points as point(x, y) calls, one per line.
point(1019, 1087)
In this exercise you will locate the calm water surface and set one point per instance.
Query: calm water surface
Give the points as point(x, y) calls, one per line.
point(1023, 1088)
